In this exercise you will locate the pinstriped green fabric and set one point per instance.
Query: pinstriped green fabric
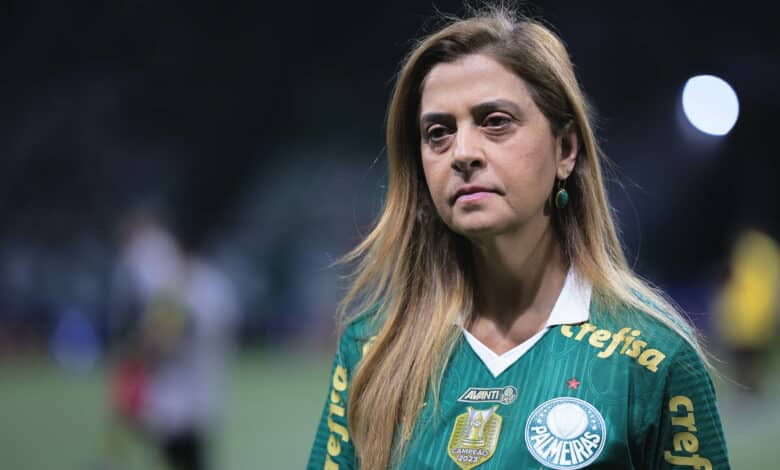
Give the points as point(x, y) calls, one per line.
point(619, 392)
point(333, 444)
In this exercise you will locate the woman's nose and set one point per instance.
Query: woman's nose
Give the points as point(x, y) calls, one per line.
point(467, 154)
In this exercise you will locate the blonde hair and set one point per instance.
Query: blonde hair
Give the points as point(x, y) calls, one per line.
point(417, 273)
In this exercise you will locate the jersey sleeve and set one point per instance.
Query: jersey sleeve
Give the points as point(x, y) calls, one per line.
point(333, 447)
point(686, 433)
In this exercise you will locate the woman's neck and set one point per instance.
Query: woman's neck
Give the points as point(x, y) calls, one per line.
point(518, 278)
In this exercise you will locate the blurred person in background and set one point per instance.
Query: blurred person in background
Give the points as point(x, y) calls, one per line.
point(748, 305)
point(493, 319)
point(177, 314)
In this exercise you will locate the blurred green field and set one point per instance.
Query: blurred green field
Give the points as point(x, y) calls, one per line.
point(53, 421)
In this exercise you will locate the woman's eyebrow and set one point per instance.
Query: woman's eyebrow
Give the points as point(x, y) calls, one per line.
point(500, 104)
point(478, 111)
point(429, 118)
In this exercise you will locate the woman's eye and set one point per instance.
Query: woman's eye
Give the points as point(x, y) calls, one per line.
point(436, 134)
point(497, 121)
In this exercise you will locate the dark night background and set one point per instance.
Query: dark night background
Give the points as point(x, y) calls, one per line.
point(256, 130)
point(203, 107)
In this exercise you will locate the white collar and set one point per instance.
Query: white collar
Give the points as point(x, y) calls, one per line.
point(572, 306)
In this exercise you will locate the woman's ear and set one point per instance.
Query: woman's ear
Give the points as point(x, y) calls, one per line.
point(568, 149)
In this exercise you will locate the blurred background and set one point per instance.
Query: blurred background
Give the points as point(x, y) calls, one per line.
point(177, 179)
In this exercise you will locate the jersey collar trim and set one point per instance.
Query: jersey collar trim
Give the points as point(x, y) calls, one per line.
point(572, 306)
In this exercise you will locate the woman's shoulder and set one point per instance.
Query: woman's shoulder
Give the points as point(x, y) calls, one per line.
point(360, 330)
point(655, 338)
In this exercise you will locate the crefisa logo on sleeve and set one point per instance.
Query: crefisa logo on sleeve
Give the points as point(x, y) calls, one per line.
point(565, 433)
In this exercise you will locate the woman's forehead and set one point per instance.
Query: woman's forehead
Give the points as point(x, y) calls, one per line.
point(470, 80)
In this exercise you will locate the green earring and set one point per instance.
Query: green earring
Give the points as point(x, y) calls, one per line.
point(561, 196)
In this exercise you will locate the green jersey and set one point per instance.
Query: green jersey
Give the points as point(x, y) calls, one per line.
point(592, 389)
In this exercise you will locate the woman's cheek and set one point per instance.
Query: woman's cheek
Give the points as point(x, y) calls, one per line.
point(444, 210)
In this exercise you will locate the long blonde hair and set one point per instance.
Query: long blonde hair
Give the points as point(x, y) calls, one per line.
point(419, 273)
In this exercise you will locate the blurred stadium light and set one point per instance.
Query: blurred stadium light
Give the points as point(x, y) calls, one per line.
point(710, 104)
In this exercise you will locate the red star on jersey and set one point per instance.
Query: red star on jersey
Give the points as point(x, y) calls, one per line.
point(573, 383)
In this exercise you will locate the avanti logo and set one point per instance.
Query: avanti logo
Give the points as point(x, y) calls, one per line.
point(565, 433)
point(504, 395)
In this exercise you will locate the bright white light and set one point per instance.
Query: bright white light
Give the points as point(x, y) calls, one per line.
point(710, 104)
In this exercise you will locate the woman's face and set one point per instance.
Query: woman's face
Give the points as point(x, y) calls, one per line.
point(489, 155)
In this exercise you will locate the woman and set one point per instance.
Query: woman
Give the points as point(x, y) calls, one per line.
point(499, 324)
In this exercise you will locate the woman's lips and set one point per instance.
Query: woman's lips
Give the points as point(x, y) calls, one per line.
point(475, 196)
point(472, 193)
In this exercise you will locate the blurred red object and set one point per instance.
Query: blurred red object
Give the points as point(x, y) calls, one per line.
point(128, 389)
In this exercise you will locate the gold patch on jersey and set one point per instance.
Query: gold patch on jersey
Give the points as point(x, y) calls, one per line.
point(474, 437)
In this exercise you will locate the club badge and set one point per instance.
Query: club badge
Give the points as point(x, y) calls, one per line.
point(474, 437)
point(565, 433)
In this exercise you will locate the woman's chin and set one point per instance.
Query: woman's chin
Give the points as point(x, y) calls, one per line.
point(478, 229)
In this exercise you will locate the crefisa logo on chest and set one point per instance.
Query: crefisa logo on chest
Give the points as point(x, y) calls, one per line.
point(565, 433)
